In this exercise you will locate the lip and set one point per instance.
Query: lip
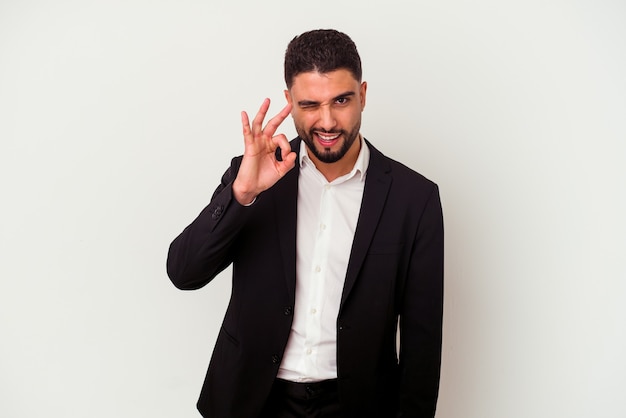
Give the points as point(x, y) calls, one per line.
point(327, 140)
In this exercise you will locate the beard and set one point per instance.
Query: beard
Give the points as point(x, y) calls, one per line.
point(326, 155)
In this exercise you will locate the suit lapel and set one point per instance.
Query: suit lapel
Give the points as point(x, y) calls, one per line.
point(285, 195)
point(377, 184)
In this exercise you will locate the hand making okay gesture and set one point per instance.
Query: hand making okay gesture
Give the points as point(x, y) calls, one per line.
point(260, 169)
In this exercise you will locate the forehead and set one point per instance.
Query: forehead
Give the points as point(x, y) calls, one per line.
point(323, 86)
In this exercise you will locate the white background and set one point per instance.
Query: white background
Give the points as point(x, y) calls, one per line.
point(117, 119)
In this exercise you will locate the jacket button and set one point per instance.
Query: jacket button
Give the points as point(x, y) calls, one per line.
point(275, 359)
point(217, 212)
point(288, 310)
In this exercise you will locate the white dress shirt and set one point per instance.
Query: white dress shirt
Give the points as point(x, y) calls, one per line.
point(326, 221)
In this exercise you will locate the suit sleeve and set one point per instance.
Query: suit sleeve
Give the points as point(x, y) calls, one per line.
point(205, 247)
point(421, 316)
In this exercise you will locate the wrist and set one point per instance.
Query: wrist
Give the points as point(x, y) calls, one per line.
point(244, 197)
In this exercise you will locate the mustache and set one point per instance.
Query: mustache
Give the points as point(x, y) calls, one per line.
point(324, 131)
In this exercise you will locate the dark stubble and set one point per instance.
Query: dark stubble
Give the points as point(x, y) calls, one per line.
point(328, 156)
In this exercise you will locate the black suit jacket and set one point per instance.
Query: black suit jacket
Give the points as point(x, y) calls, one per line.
point(395, 271)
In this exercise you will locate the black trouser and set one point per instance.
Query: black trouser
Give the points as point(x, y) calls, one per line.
point(303, 400)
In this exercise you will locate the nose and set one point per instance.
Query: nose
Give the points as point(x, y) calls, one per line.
point(327, 118)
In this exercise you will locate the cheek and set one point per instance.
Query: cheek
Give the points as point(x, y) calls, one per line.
point(351, 119)
point(304, 120)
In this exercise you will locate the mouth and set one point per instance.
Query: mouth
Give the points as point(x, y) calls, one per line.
point(327, 139)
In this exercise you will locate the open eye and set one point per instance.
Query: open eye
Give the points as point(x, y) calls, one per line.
point(342, 100)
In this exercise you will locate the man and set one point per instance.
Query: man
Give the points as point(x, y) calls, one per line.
point(331, 244)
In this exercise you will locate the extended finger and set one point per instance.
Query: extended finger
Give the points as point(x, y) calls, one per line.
point(257, 123)
point(275, 122)
point(245, 124)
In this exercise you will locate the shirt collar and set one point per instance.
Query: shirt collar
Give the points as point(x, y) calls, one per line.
point(360, 166)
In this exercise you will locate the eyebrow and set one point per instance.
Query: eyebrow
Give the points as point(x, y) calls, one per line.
point(304, 103)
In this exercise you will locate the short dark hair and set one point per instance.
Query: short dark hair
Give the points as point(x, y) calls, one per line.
point(323, 51)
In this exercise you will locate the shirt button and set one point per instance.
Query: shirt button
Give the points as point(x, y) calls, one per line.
point(313, 311)
point(308, 351)
point(318, 269)
point(323, 227)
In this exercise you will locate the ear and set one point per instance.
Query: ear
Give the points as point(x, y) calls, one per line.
point(288, 97)
point(363, 91)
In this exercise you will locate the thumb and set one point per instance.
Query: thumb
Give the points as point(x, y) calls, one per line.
point(288, 162)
